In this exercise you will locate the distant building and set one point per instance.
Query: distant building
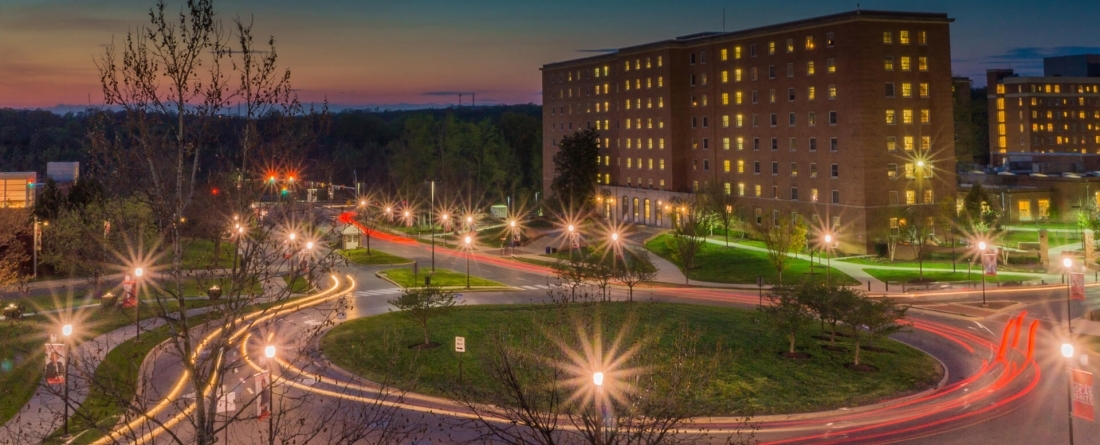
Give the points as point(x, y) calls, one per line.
point(17, 189)
point(830, 118)
point(63, 172)
point(1056, 113)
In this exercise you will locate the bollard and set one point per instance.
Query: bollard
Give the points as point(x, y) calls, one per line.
point(887, 286)
point(868, 285)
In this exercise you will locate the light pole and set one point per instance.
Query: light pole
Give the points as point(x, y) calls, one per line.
point(1067, 262)
point(571, 235)
point(981, 249)
point(1067, 352)
point(67, 331)
point(512, 236)
point(431, 221)
point(597, 379)
point(468, 240)
point(269, 352)
point(137, 305)
point(309, 264)
point(469, 223)
point(828, 259)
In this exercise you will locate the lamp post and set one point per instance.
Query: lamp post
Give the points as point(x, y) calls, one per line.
point(1067, 262)
point(1067, 352)
point(981, 248)
point(597, 379)
point(269, 352)
point(469, 223)
point(309, 264)
point(137, 305)
point(67, 331)
point(828, 259)
point(431, 221)
point(571, 237)
point(468, 240)
point(512, 236)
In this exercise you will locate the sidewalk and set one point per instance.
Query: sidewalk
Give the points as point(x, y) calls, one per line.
point(42, 414)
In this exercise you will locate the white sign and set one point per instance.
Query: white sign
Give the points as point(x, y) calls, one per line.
point(226, 401)
point(460, 344)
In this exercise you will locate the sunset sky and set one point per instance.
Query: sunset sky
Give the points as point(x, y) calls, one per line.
point(372, 53)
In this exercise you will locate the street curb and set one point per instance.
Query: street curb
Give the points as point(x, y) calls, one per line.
point(461, 288)
point(1016, 305)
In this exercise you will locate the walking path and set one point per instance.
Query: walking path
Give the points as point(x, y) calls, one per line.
point(42, 414)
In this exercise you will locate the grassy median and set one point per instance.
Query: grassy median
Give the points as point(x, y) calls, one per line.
point(719, 264)
point(751, 376)
point(442, 277)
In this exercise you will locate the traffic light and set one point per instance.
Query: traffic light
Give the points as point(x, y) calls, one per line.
point(271, 179)
point(30, 184)
point(284, 191)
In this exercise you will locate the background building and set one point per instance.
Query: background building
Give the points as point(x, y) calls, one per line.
point(1056, 113)
point(844, 118)
point(17, 189)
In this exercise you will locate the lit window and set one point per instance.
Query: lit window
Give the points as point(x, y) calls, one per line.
point(829, 39)
point(790, 45)
point(903, 37)
point(740, 120)
point(905, 63)
point(922, 63)
point(660, 62)
point(723, 54)
point(907, 143)
point(737, 52)
point(771, 95)
point(660, 80)
point(910, 197)
point(809, 42)
point(660, 103)
point(810, 93)
point(891, 171)
point(757, 189)
point(887, 37)
point(891, 143)
point(726, 166)
point(725, 98)
point(832, 91)
point(888, 63)
point(740, 189)
point(906, 116)
point(925, 116)
point(922, 38)
point(726, 144)
point(771, 48)
point(737, 98)
point(725, 76)
point(925, 142)
point(810, 68)
point(811, 120)
point(830, 66)
point(737, 75)
point(890, 117)
point(661, 162)
point(906, 89)
point(740, 143)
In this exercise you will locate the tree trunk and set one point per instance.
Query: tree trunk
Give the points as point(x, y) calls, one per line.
point(427, 338)
point(857, 350)
point(832, 335)
point(791, 337)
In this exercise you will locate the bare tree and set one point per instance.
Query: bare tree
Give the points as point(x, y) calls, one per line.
point(421, 304)
point(542, 383)
point(636, 268)
point(919, 230)
point(720, 204)
point(688, 237)
point(782, 238)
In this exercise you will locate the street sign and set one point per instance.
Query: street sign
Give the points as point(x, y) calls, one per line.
point(1077, 285)
point(989, 264)
point(1082, 394)
point(460, 344)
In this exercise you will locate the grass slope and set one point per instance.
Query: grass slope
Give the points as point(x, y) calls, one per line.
point(720, 264)
point(441, 277)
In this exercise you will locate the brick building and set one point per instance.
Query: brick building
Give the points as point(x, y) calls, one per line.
point(1048, 114)
point(844, 118)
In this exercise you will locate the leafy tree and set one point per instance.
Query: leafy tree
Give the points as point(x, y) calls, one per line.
point(636, 268)
point(50, 202)
point(94, 233)
point(688, 237)
point(720, 206)
point(831, 303)
point(13, 252)
point(599, 269)
point(978, 215)
point(421, 304)
point(575, 168)
point(788, 311)
point(879, 317)
point(782, 238)
point(919, 230)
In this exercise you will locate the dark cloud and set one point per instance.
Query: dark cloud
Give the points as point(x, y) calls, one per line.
point(598, 50)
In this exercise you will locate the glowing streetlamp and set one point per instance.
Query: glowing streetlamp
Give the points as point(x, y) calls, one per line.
point(309, 245)
point(269, 352)
point(137, 305)
point(1067, 352)
point(828, 258)
point(512, 235)
point(468, 240)
point(597, 379)
point(981, 248)
point(67, 331)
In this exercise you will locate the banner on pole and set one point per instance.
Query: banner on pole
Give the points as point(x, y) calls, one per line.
point(1082, 394)
point(263, 394)
point(1077, 285)
point(55, 363)
point(989, 264)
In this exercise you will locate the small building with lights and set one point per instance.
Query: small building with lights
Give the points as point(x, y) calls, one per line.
point(17, 189)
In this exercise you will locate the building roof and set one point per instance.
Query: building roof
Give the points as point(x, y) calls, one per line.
point(711, 36)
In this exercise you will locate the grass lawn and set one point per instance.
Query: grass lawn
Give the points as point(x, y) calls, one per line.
point(907, 275)
point(720, 264)
point(442, 277)
point(360, 256)
point(935, 264)
point(298, 286)
point(751, 376)
point(199, 254)
point(1054, 239)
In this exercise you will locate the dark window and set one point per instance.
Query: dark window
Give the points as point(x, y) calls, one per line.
point(775, 120)
point(704, 122)
point(693, 121)
point(836, 196)
point(794, 193)
point(775, 168)
point(693, 76)
point(771, 71)
point(889, 90)
point(813, 144)
point(755, 144)
point(790, 94)
point(752, 50)
point(832, 118)
point(775, 144)
point(756, 167)
point(706, 164)
point(835, 169)
point(791, 118)
point(833, 145)
point(692, 60)
point(706, 142)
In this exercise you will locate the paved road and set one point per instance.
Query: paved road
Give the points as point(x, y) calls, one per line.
point(986, 399)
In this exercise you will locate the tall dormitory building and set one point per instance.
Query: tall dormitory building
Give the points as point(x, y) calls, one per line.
point(827, 117)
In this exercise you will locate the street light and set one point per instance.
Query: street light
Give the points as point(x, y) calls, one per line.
point(67, 331)
point(828, 259)
point(468, 240)
point(571, 239)
point(1067, 262)
point(981, 248)
point(1067, 352)
point(269, 352)
point(597, 379)
point(512, 237)
point(137, 305)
